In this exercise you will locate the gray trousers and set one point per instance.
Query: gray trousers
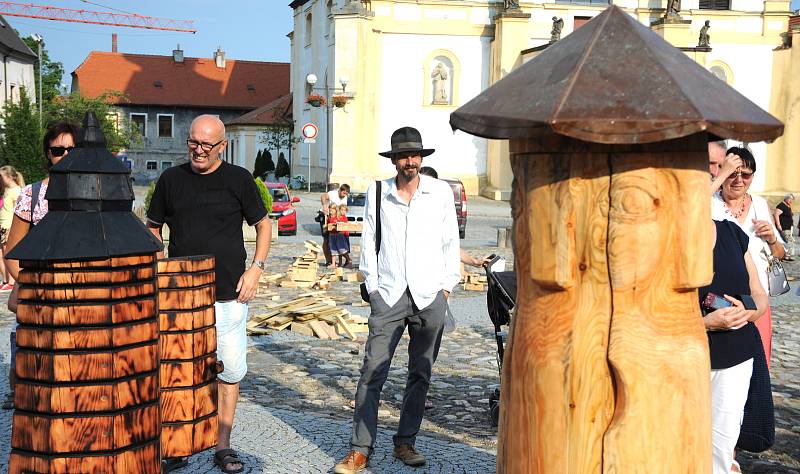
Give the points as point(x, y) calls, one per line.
point(386, 326)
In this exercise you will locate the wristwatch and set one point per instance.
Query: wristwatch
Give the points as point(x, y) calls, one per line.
point(260, 264)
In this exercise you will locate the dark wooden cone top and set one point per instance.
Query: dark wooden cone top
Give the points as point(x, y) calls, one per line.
point(87, 392)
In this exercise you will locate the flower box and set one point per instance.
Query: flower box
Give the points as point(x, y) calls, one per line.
point(316, 100)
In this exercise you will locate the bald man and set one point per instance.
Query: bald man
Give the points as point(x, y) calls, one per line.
point(203, 202)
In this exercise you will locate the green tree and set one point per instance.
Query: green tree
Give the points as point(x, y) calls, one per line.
point(266, 196)
point(52, 71)
point(20, 145)
point(282, 169)
point(258, 166)
point(120, 133)
point(269, 165)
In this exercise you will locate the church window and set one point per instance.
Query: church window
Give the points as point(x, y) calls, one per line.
point(715, 4)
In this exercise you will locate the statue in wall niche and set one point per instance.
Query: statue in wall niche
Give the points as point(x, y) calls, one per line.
point(555, 33)
point(673, 8)
point(441, 84)
point(705, 39)
point(510, 5)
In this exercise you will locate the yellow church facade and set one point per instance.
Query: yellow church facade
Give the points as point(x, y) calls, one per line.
point(390, 63)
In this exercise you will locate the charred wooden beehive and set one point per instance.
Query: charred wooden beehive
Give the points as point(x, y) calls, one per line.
point(188, 355)
point(87, 393)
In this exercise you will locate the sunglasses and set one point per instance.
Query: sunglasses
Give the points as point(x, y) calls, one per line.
point(744, 176)
point(57, 151)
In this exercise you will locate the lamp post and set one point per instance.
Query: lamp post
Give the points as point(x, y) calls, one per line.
point(38, 38)
point(311, 80)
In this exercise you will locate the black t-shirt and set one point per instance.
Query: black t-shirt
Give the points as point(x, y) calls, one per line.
point(204, 213)
point(729, 348)
point(786, 216)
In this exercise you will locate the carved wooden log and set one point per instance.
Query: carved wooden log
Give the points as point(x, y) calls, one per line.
point(607, 363)
point(188, 355)
point(87, 394)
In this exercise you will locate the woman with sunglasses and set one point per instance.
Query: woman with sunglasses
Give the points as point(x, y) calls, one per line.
point(752, 215)
point(58, 140)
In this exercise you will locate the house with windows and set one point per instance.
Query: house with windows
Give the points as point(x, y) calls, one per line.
point(400, 62)
point(18, 64)
point(163, 94)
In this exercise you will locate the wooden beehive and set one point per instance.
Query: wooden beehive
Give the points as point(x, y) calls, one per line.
point(87, 391)
point(188, 355)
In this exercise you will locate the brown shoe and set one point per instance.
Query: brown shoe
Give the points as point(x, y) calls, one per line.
point(409, 455)
point(353, 463)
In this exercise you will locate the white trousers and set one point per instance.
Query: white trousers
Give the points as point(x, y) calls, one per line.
point(729, 389)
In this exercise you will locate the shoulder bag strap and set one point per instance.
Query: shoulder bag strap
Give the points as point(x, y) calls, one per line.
point(35, 189)
point(378, 217)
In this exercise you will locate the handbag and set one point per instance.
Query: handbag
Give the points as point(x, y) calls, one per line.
point(777, 282)
point(363, 287)
point(13, 297)
point(757, 433)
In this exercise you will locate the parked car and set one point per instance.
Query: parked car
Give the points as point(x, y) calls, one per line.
point(283, 204)
point(356, 199)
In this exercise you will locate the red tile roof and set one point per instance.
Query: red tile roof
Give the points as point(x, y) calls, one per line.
point(277, 112)
point(197, 82)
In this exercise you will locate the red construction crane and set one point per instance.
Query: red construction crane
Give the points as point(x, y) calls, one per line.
point(128, 20)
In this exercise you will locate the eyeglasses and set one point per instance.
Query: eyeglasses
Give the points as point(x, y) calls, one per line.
point(744, 176)
point(57, 151)
point(206, 147)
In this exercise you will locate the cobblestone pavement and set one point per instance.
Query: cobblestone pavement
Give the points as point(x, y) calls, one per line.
point(295, 415)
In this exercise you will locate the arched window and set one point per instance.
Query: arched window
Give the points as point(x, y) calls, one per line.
point(308, 32)
point(722, 71)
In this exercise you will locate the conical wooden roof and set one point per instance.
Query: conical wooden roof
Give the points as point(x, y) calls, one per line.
point(614, 81)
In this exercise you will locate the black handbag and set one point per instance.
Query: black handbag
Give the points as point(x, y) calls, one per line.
point(758, 424)
point(363, 287)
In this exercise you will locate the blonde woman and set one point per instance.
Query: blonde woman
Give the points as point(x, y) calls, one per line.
point(12, 185)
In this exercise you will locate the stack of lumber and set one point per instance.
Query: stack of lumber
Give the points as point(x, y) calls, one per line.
point(474, 282)
point(311, 314)
point(303, 271)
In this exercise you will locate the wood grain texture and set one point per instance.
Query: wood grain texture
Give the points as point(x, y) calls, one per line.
point(181, 298)
point(86, 366)
point(604, 258)
point(85, 293)
point(34, 277)
point(37, 337)
point(198, 263)
point(186, 320)
point(185, 439)
point(84, 398)
point(186, 280)
point(143, 459)
point(113, 262)
point(66, 314)
point(188, 373)
point(85, 433)
point(188, 404)
point(188, 345)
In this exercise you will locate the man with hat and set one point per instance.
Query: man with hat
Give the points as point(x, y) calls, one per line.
point(409, 279)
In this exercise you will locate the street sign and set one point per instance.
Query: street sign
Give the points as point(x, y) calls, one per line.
point(309, 140)
point(310, 131)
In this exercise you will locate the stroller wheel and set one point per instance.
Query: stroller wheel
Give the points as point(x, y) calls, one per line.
point(495, 414)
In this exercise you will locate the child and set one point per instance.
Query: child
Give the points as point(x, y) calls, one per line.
point(344, 250)
point(334, 237)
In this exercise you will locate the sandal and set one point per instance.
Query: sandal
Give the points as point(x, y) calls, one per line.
point(8, 403)
point(171, 464)
point(223, 457)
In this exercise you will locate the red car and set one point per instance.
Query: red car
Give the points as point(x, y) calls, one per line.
point(283, 204)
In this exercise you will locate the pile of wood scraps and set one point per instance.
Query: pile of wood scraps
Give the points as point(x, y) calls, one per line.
point(474, 282)
point(311, 314)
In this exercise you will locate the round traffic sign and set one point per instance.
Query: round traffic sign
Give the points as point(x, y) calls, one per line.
point(310, 130)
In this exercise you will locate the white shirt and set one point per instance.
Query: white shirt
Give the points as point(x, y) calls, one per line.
point(419, 243)
point(333, 198)
point(759, 209)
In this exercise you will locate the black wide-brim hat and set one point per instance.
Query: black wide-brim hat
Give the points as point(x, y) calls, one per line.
point(404, 140)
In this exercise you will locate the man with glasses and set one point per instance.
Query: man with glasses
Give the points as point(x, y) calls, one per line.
point(203, 202)
point(409, 278)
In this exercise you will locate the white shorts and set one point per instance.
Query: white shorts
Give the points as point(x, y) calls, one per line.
point(232, 339)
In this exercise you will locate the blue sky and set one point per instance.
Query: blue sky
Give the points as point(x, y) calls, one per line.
point(245, 29)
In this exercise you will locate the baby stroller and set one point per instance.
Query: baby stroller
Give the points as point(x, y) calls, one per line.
point(501, 296)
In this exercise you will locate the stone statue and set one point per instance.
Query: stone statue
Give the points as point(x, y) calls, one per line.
point(555, 33)
point(705, 39)
point(441, 84)
point(673, 8)
point(510, 5)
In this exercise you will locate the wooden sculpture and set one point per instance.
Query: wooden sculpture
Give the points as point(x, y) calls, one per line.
point(607, 365)
point(188, 355)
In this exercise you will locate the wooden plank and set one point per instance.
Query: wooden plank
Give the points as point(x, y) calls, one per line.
point(302, 328)
point(197, 263)
point(143, 459)
point(319, 329)
point(345, 327)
